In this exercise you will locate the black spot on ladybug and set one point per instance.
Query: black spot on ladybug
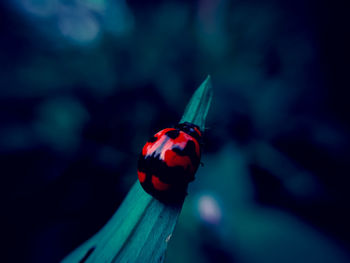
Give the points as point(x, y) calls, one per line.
point(177, 177)
point(173, 134)
point(189, 150)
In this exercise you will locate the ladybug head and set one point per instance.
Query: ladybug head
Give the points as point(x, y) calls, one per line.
point(190, 129)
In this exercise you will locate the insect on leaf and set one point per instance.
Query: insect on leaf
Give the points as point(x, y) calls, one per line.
point(142, 226)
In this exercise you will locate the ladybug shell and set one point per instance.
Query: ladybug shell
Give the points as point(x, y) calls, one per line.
point(168, 162)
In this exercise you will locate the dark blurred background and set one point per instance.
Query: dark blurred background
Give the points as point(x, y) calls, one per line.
point(84, 83)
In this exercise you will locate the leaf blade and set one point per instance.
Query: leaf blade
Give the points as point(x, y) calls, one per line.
point(198, 107)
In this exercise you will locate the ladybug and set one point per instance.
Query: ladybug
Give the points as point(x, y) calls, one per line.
point(169, 161)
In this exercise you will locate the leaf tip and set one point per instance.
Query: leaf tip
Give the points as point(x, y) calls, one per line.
point(207, 81)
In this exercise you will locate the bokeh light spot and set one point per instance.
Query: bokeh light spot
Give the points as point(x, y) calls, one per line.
point(209, 209)
point(78, 26)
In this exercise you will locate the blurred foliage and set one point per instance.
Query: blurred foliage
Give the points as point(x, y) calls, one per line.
point(84, 83)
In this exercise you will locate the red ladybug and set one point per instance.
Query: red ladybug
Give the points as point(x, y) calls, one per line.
point(169, 160)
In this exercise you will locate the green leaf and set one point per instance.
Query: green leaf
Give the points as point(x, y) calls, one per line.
point(197, 109)
point(142, 226)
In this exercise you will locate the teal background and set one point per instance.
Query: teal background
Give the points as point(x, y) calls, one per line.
point(84, 83)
